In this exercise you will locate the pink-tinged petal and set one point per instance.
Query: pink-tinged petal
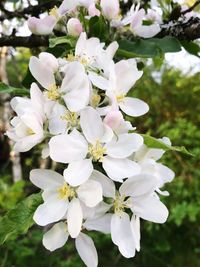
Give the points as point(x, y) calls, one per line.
point(42, 26)
point(74, 27)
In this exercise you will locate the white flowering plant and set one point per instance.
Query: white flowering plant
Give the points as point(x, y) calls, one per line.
point(109, 176)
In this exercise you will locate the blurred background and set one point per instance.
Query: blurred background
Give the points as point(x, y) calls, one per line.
point(171, 87)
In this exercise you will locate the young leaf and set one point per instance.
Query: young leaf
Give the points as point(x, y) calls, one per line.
point(70, 40)
point(6, 89)
point(155, 143)
point(17, 221)
point(167, 44)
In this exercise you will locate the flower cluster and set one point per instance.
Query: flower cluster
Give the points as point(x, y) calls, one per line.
point(73, 12)
point(110, 178)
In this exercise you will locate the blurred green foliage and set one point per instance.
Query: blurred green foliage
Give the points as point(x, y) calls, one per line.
point(174, 112)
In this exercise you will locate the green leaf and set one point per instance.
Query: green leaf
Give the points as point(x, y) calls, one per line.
point(138, 48)
point(98, 28)
point(6, 89)
point(167, 44)
point(70, 40)
point(17, 221)
point(155, 143)
point(148, 48)
point(191, 47)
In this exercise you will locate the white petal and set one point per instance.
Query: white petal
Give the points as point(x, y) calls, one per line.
point(134, 107)
point(138, 185)
point(41, 72)
point(78, 172)
point(46, 179)
point(107, 184)
point(56, 237)
point(124, 145)
point(91, 124)
point(49, 60)
point(98, 81)
point(51, 211)
point(74, 218)
point(90, 193)
point(135, 227)
point(150, 208)
point(118, 169)
point(67, 148)
point(121, 234)
point(86, 249)
point(101, 224)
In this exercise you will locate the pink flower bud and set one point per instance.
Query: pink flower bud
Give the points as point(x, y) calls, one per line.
point(93, 11)
point(74, 27)
point(110, 8)
point(42, 26)
point(114, 119)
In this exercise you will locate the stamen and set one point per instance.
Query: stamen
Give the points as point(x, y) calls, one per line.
point(119, 204)
point(120, 98)
point(53, 93)
point(54, 12)
point(97, 151)
point(29, 131)
point(95, 100)
point(66, 192)
point(71, 118)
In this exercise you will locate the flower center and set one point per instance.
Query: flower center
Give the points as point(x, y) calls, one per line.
point(95, 100)
point(66, 191)
point(120, 203)
point(53, 93)
point(71, 118)
point(54, 12)
point(97, 151)
point(29, 131)
point(120, 98)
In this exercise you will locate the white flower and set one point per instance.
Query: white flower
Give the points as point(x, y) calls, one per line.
point(100, 145)
point(58, 235)
point(123, 76)
point(45, 26)
point(135, 194)
point(74, 88)
point(62, 200)
point(27, 130)
point(135, 18)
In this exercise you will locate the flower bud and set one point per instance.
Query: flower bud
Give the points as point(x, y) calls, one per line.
point(93, 11)
point(42, 26)
point(110, 9)
point(114, 119)
point(74, 27)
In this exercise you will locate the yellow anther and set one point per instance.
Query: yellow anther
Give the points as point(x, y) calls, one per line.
point(119, 204)
point(120, 98)
point(95, 100)
point(71, 118)
point(29, 131)
point(54, 12)
point(53, 93)
point(97, 151)
point(70, 57)
point(66, 191)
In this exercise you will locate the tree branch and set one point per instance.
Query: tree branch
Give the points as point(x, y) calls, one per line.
point(30, 41)
point(189, 30)
point(30, 10)
point(191, 8)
